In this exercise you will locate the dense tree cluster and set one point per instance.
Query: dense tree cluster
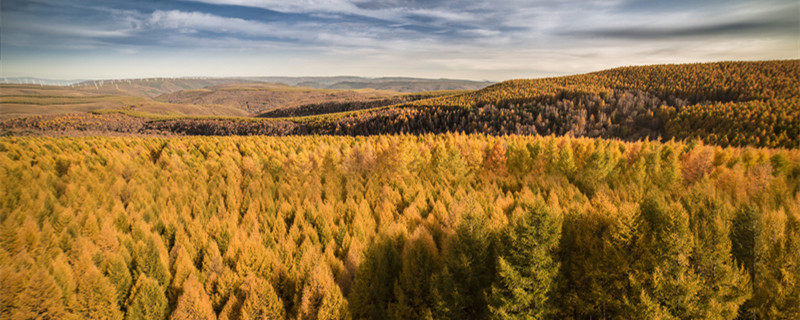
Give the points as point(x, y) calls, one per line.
point(219, 127)
point(696, 83)
point(330, 107)
point(345, 106)
point(396, 227)
point(111, 122)
point(773, 123)
point(624, 114)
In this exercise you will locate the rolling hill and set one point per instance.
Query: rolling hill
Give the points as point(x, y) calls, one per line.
point(210, 96)
point(725, 103)
point(255, 98)
point(152, 87)
point(400, 84)
point(20, 100)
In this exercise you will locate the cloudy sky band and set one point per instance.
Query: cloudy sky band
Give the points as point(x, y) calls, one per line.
point(481, 40)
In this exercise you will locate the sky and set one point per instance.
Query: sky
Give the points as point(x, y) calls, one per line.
point(459, 39)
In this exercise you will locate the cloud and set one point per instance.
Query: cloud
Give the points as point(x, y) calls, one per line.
point(451, 38)
point(194, 21)
point(290, 6)
point(650, 33)
point(740, 20)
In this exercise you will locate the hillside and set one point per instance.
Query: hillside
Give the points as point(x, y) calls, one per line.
point(338, 106)
point(391, 227)
point(736, 103)
point(18, 100)
point(235, 99)
point(255, 98)
point(153, 87)
point(726, 103)
point(400, 84)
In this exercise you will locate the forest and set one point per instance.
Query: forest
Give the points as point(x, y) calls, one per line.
point(428, 226)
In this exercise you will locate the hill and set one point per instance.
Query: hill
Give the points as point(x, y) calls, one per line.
point(255, 98)
point(191, 97)
point(234, 99)
point(19, 100)
point(725, 103)
point(735, 103)
point(152, 87)
point(38, 81)
point(400, 84)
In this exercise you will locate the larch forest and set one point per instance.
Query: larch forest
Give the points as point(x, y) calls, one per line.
point(653, 192)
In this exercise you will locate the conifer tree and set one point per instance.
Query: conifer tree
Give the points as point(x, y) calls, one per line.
point(725, 286)
point(193, 303)
point(321, 298)
point(526, 265)
point(777, 284)
point(745, 227)
point(595, 260)
point(95, 297)
point(148, 261)
point(413, 287)
point(41, 299)
point(115, 268)
point(260, 300)
point(462, 286)
point(373, 285)
point(147, 300)
point(662, 280)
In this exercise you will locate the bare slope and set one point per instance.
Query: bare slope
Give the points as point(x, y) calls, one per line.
point(254, 98)
point(18, 100)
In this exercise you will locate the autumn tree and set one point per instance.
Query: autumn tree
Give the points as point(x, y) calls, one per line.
point(193, 303)
point(256, 300)
point(147, 300)
point(321, 298)
point(595, 260)
point(95, 296)
point(41, 299)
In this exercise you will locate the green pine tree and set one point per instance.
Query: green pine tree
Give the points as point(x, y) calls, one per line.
point(526, 265)
point(373, 286)
point(725, 286)
point(663, 282)
point(467, 273)
point(413, 287)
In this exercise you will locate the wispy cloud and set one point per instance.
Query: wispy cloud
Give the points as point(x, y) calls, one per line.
point(448, 38)
point(190, 22)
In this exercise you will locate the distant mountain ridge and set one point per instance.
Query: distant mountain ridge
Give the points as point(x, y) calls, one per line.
point(155, 86)
point(400, 84)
